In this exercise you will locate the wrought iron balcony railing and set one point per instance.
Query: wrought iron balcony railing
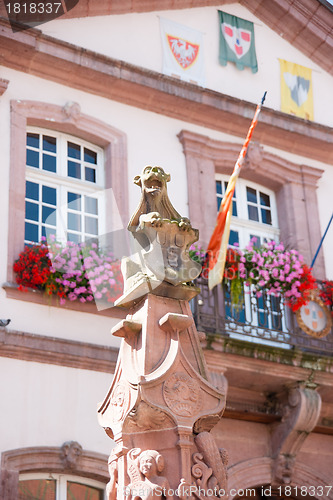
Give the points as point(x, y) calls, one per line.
point(265, 320)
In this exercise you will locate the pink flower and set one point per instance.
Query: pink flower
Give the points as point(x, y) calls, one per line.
point(262, 283)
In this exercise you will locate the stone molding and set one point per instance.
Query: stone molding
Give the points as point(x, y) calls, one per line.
point(37, 297)
point(50, 459)
point(257, 471)
point(293, 184)
point(57, 351)
point(41, 55)
point(307, 25)
point(67, 119)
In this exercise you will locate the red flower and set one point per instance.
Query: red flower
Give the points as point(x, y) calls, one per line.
point(32, 268)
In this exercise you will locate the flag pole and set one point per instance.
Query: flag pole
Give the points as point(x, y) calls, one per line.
point(321, 242)
point(218, 244)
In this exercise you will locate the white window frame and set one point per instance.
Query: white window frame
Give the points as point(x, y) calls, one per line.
point(61, 482)
point(242, 224)
point(60, 181)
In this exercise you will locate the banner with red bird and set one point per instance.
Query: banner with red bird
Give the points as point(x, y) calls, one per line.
point(237, 42)
point(182, 52)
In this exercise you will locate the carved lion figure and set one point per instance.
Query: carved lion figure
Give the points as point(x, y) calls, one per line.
point(154, 205)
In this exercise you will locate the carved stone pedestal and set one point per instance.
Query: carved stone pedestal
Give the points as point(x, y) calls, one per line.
point(161, 405)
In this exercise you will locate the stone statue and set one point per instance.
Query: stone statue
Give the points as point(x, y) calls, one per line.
point(148, 483)
point(161, 242)
point(162, 404)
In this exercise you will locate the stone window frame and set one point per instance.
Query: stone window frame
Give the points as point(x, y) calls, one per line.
point(48, 459)
point(294, 186)
point(69, 120)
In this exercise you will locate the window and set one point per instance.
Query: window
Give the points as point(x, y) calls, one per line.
point(59, 487)
point(63, 177)
point(253, 212)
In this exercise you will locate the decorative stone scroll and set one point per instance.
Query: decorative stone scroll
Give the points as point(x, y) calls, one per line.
point(301, 411)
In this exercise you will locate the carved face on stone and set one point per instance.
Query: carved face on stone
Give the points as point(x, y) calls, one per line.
point(150, 463)
point(152, 180)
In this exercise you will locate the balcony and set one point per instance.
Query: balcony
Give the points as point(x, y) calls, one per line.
point(265, 320)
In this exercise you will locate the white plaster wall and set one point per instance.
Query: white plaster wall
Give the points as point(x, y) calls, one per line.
point(46, 405)
point(135, 38)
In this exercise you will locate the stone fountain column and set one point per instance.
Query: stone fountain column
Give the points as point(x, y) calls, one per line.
point(161, 405)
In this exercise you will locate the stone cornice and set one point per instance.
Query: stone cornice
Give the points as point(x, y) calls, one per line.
point(57, 351)
point(305, 24)
point(43, 56)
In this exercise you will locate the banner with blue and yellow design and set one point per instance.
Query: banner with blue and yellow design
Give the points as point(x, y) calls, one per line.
point(296, 90)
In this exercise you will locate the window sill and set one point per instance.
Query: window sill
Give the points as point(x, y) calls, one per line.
point(37, 297)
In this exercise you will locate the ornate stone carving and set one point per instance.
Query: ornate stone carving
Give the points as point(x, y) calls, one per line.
point(209, 469)
point(70, 454)
point(182, 394)
point(301, 411)
point(119, 402)
point(111, 487)
point(254, 156)
point(144, 469)
point(161, 239)
point(71, 111)
point(146, 417)
point(3, 86)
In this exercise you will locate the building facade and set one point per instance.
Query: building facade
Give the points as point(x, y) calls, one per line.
point(85, 105)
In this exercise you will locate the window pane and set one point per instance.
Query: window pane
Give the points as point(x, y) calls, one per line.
point(219, 201)
point(48, 231)
point(75, 238)
point(90, 174)
point(49, 143)
point(264, 199)
point(90, 156)
point(37, 489)
point(32, 158)
point(32, 190)
point(77, 491)
point(251, 195)
point(91, 225)
point(49, 163)
point(31, 232)
point(31, 211)
point(49, 195)
point(253, 213)
point(257, 241)
point(74, 150)
point(266, 216)
point(234, 237)
point(74, 201)
point(234, 208)
point(74, 221)
point(219, 187)
point(74, 170)
point(33, 140)
point(90, 205)
point(49, 216)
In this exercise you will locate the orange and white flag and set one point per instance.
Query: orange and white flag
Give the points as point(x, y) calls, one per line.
point(182, 52)
point(218, 245)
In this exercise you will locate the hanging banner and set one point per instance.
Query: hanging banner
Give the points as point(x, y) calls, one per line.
point(182, 52)
point(296, 90)
point(237, 42)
